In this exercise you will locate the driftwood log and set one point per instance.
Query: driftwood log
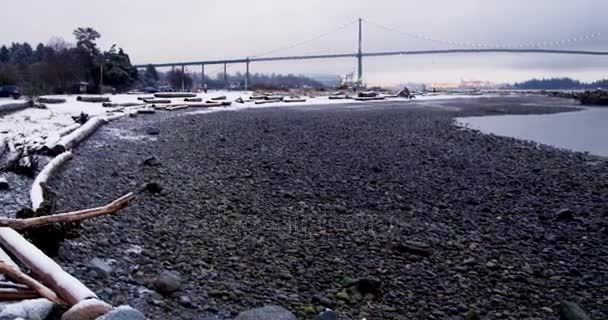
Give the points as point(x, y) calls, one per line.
point(20, 277)
point(73, 139)
point(92, 99)
point(159, 101)
point(51, 100)
point(294, 100)
point(54, 138)
point(145, 98)
point(340, 97)
point(219, 98)
point(68, 288)
point(12, 107)
point(75, 216)
point(37, 193)
point(146, 111)
point(193, 99)
point(267, 101)
point(3, 145)
point(369, 98)
point(174, 95)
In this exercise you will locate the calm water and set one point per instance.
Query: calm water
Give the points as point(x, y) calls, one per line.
point(585, 130)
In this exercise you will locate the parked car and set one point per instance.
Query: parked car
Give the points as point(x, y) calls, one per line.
point(10, 91)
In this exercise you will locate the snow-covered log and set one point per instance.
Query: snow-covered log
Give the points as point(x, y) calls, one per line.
point(294, 100)
point(36, 193)
point(49, 100)
point(218, 98)
point(68, 288)
point(144, 98)
point(75, 216)
point(92, 99)
point(174, 95)
point(54, 138)
point(267, 101)
point(193, 100)
point(12, 107)
point(158, 101)
point(146, 111)
point(73, 139)
point(174, 108)
point(3, 146)
point(17, 275)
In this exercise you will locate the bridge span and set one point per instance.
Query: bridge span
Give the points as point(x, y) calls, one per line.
point(360, 55)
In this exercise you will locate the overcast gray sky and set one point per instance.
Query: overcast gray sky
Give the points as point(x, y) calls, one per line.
point(185, 30)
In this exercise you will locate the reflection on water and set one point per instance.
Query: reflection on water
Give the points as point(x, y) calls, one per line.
point(585, 130)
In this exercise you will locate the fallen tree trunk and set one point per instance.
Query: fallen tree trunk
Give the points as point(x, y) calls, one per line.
point(73, 139)
point(145, 98)
point(92, 99)
point(174, 95)
point(219, 98)
point(193, 99)
point(68, 288)
point(36, 193)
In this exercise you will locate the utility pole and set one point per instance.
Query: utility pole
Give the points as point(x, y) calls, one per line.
point(360, 56)
point(183, 79)
point(247, 75)
point(202, 75)
point(226, 75)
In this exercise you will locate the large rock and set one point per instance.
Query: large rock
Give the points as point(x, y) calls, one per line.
point(123, 313)
point(415, 248)
point(572, 311)
point(266, 313)
point(168, 282)
point(37, 309)
point(100, 266)
point(328, 314)
point(3, 183)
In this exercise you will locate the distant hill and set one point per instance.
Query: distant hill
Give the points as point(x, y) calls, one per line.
point(560, 84)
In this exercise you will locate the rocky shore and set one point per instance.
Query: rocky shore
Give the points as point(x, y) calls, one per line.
point(387, 211)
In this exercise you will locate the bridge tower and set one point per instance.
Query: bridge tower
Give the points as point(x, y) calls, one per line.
point(360, 56)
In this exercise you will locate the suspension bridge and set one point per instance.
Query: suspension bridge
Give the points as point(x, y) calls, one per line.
point(537, 48)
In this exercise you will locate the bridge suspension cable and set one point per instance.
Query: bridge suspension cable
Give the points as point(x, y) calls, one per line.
point(301, 43)
point(542, 44)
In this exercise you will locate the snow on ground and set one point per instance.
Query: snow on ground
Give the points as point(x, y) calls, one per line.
point(34, 122)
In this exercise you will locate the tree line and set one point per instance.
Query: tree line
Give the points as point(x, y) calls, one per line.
point(62, 67)
point(150, 77)
point(560, 84)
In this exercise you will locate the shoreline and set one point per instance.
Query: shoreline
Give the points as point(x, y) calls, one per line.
point(231, 180)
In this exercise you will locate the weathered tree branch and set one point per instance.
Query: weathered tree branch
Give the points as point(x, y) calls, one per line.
point(16, 274)
point(112, 207)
